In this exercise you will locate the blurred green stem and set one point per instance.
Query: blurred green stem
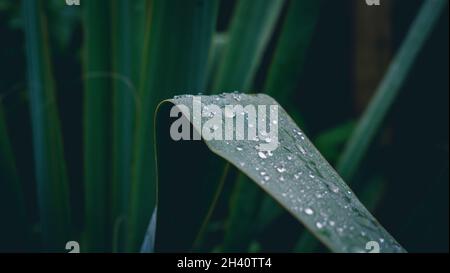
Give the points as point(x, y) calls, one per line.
point(51, 176)
point(251, 29)
point(97, 121)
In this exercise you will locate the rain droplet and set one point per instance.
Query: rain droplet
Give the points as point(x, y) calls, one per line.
point(301, 149)
point(262, 155)
point(309, 211)
point(239, 148)
point(282, 179)
point(319, 225)
point(281, 169)
point(334, 189)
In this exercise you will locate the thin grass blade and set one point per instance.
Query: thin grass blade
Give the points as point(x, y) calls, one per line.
point(51, 175)
point(97, 123)
point(251, 29)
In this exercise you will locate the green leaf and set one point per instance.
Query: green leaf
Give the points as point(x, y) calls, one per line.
point(51, 176)
point(295, 175)
point(387, 92)
point(175, 61)
point(218, 45)
point(127, 23)
point(97, 123)
point(291, 51)
point(251, 29)
point(370, 196)
point(286, 66)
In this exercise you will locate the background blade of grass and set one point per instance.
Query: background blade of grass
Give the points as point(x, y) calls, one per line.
point(389, 88)
point(127, 32)
point(97, 109)
point(218, 45)
point(285, 68)
point(175, 61)
point(51, 177)
point(14, 232)
point(250, 31)
point(297, 176)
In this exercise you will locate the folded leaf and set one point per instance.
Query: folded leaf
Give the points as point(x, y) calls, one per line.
point(295, 175)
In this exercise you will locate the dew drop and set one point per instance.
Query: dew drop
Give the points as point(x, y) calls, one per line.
point(262, 155)
point(334, 189)
point(309, 211)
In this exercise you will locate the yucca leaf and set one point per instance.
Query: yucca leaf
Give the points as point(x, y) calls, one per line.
point(285, 68)
point(175, 61)
point(51, 177)
point(387, 91)
point(250, 31)
point(370, 197)
point(97, 121)
point(295, 175)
